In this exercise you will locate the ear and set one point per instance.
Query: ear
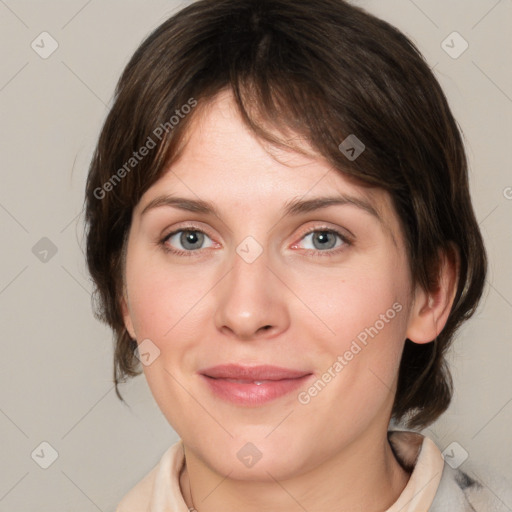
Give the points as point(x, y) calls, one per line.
point(125, 310)
point(431, 309)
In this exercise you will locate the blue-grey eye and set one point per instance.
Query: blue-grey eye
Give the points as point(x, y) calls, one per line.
point(189, 240)
point(323, 240)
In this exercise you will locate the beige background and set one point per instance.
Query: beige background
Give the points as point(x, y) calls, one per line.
point(55, 376)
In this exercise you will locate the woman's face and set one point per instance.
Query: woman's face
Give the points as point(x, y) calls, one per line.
point(276, 278)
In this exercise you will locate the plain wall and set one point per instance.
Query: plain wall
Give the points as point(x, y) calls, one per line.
point(56, 372)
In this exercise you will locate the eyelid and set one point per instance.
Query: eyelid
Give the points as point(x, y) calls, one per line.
point(191, 226)
point(344, 233)
point(346, 243)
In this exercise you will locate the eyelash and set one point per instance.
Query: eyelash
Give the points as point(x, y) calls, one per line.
point(314, 252)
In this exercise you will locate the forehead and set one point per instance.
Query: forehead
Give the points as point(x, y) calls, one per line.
point(223, 162)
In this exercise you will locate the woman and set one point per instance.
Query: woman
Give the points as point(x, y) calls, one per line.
point(281, 235)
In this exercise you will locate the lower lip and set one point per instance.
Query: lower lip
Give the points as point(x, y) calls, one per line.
point(251, 394)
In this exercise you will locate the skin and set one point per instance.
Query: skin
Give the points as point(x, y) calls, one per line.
point(211, 307)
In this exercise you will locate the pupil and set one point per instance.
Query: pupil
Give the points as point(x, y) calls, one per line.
point(191, 238)
point(323, 238)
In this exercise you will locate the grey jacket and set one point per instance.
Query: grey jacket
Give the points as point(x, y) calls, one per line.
point(457, 491)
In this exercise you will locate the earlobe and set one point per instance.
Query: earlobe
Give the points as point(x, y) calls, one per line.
point(431, 309)
point(127, 317)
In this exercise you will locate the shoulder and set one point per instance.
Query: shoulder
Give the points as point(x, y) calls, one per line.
point(478, 487)
point(138, 498)
point(160, 484)
point(473, 488)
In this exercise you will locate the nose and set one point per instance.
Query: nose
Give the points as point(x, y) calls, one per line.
point(252, 301)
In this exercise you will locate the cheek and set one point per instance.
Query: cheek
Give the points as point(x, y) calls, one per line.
point(358, 348)
point(165, 305)
point(355, 302)
point(162, 300)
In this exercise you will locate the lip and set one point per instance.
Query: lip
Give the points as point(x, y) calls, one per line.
point(252, 385)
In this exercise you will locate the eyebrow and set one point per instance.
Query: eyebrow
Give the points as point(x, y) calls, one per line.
point(291, 208)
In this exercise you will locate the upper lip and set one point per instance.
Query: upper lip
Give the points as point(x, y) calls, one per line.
point(261, 372)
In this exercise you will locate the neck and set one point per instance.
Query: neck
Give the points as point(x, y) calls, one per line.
point(364, 476)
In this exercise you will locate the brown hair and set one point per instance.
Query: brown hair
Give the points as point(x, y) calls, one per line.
point(322, 69)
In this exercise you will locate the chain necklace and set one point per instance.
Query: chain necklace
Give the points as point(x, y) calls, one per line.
point(193, 507)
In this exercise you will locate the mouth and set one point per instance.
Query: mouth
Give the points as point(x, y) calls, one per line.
point(252, 385)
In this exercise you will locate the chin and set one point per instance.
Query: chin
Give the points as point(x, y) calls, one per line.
point(250, 459)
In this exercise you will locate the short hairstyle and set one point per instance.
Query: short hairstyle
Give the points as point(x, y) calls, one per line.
point(322, 70)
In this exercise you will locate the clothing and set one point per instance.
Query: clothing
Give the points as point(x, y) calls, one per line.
point(433, 485)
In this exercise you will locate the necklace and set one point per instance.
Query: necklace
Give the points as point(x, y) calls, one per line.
point(193, 507)
point(183, 469)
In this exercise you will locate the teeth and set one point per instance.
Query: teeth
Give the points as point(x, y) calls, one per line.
point(258, 382)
